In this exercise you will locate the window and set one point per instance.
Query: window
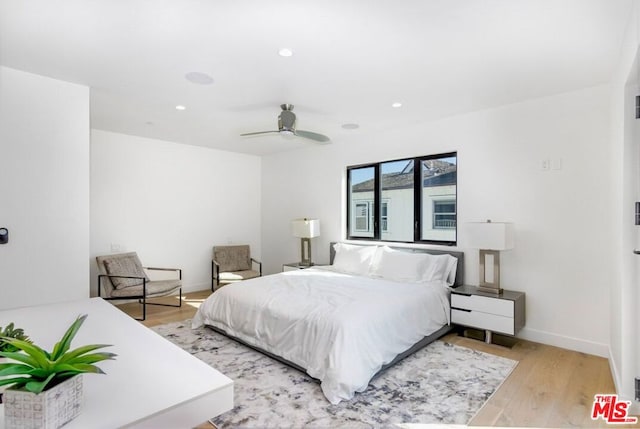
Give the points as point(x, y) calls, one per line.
point(438, 217)
point(384, 216)
point(407, 200)
point(361, 208)
point(363, 222)
point(396, 190)
point(444, 214)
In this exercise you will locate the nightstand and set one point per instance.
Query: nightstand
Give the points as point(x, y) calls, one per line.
point(292, 266)
point(502, 314)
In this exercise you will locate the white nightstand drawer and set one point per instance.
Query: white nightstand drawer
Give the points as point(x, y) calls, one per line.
point(480, 320)
point(500, 307)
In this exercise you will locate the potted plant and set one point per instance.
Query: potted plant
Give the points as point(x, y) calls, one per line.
point(10, 331)
point(45, 388)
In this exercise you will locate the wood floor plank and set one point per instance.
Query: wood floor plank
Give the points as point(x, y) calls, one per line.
point(550, 387)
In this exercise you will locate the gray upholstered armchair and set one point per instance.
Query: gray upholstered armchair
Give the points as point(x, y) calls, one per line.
point(232, 264)
point(122, 276)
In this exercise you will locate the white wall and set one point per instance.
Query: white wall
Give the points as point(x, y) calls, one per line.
point(171, 203)
point(562, 217)
point(624, 169)
point(44, 189)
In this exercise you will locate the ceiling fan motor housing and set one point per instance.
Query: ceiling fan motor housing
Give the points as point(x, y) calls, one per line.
point(287, 121)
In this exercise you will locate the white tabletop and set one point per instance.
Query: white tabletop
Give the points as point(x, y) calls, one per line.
point(152, 382)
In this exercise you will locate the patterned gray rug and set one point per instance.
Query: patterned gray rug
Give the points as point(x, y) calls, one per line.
point(442, 383)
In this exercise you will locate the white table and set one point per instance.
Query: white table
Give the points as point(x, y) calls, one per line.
point(151, 384)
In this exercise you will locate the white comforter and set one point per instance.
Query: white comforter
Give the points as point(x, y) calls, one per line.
point(341, 328)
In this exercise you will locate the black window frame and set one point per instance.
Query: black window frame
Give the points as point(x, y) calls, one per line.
point(417, 201)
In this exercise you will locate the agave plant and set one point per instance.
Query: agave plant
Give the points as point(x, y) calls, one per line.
point(10, 331)
point(35, 369)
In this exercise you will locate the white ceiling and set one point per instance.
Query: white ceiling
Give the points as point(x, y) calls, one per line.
point(352, 60)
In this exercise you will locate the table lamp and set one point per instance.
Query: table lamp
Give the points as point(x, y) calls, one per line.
point(490, 238)
point(305, 229)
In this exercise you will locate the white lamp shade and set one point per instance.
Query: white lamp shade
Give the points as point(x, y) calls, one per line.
point(490, 235)
point(305, 228)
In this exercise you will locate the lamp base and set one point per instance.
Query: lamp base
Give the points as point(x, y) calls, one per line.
point(491, 290)
point(486, 285)
point(305, 252)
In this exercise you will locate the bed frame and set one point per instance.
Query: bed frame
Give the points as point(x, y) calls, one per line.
point(417, 346)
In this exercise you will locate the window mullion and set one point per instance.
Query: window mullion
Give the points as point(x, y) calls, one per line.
point(417, 198)
point(377, 197)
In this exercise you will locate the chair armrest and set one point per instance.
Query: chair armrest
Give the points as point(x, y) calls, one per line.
point(179, 270)
point(120, 277)
point(259, 264)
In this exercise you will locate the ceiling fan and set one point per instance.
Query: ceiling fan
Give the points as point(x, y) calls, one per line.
point(287, 126)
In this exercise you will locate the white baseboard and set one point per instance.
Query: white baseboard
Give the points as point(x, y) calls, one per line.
point(634, 410)
point(614, 371)
point(571, 343)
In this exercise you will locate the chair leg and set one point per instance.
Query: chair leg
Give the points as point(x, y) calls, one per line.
point(144, 306)
point(144, 309)
point(215, 277)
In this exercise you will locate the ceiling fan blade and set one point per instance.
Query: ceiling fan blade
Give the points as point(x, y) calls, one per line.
point(318, 138)
point(259, 132)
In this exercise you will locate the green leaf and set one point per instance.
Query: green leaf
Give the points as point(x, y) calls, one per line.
point(20, 357)
point(13, 369)
point(7, 365)
point(65, 343)
point(37, 386)
point(14, 380)
point(80, 351)
point(39, 355)
point(92, 358)
point(80, 367)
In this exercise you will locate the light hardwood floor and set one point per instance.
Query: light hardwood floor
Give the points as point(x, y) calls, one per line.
point(550, 388)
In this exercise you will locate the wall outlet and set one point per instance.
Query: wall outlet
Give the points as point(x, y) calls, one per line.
point(115, 248)
point(545, 165)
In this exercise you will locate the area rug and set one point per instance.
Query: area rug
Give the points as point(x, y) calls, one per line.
point(442, 383)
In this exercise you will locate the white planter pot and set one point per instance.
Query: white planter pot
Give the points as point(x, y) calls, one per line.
point(47, 410)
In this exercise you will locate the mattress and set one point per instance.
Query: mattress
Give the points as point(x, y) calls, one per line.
point(341, 328)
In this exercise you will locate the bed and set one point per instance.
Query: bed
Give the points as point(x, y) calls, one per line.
point(345, 322)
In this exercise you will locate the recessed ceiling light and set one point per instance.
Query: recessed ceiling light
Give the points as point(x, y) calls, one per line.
point(350, 126)
point(396, 104)
point(199, 78)
point(180, 107)
point(285, 52)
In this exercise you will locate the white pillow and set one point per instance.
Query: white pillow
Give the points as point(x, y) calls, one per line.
point(441, 267)
point(353, 259)
point(412, 267)
point(399, 266)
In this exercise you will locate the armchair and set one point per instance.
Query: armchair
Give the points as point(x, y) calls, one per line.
point(122, 276)
point(232, 264)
